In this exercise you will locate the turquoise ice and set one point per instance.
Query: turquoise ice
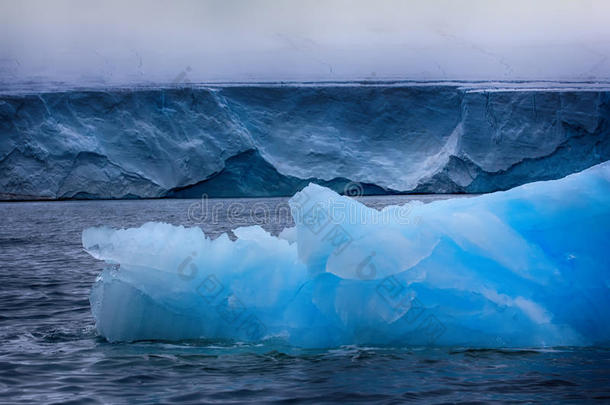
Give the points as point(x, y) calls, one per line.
point(525, 267)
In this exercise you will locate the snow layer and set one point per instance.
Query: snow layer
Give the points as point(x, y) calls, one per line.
point(525, 267)
point(273, 140)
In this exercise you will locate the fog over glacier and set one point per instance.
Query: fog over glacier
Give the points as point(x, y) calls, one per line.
point(85, 42)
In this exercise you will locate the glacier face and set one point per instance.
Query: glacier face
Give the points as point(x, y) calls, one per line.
point(230, 140)
point(524, 267)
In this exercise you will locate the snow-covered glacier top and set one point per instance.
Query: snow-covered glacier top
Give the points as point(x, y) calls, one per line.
point(272, 139)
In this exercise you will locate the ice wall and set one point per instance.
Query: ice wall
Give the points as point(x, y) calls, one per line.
point(525, 267)
point(270, 140)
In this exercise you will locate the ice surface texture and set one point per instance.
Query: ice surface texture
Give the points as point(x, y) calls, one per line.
point(525, 267)
point(273, 140)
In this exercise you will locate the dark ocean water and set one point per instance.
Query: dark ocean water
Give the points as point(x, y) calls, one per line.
point(50, 352)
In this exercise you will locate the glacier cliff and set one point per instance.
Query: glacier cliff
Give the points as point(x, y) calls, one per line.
point(524, 267)
point(267, 140)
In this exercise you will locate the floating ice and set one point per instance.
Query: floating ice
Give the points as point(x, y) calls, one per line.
point(526, 267)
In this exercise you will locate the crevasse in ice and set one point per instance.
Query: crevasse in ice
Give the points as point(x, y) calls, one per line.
point(525, 267)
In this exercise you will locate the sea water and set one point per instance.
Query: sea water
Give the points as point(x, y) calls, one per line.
point(50, 351)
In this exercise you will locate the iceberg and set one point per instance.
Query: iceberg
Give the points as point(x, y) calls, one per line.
point(528, 267)
point(272, 140)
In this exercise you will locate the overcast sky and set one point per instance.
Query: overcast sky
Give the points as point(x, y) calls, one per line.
point(153, 41)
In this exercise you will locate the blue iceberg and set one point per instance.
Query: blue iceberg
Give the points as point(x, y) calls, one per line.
point(525, 267)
